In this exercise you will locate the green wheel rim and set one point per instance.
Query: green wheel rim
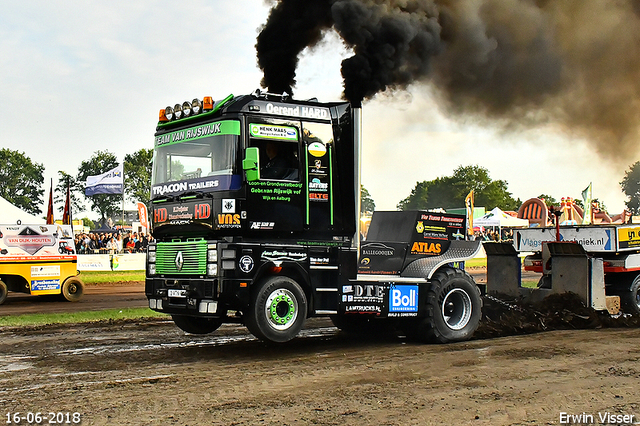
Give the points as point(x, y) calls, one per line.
point(281, 309)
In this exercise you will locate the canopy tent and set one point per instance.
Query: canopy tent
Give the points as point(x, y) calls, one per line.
point(497, 217)
point(10, 215)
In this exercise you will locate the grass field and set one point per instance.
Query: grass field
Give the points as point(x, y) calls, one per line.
point(98, 277)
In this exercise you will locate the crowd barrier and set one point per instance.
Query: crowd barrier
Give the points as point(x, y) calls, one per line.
point(111, 262)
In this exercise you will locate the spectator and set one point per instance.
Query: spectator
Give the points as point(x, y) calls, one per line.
point(131, 246)
point(93, 244)
point(125, 240)
point(111, 246)
point(135, 241)
point(119, 243)
point(143, 242)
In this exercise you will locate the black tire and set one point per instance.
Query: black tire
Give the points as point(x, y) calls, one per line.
point(4, 291)
point(72, 289)
point(196, 325)
point(454, 308)
point(630, 299)
point(278, 310)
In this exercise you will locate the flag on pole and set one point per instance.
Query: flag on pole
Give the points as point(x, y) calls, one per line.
point(468, 203)
point(587, 196)
point(143, 216)
point(50, 220)
point(66, 215)
point(111, 182)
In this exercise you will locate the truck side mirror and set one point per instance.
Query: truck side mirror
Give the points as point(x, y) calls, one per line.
point(251, 164)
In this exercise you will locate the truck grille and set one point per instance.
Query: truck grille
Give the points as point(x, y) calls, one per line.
point(182, 258)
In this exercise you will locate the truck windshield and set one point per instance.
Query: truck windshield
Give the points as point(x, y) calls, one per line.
point(201, 161)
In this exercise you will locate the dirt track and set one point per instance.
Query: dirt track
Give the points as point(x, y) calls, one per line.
point(151, 373)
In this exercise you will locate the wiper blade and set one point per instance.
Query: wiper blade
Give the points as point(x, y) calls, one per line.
point(192, 194)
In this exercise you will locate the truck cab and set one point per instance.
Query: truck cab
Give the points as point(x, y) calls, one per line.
point(254, 211)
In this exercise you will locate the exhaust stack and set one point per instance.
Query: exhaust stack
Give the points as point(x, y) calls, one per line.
point(357, 149)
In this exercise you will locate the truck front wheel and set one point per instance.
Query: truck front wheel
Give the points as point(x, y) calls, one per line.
point(278, 310)
point(630, 299)
point(72, 289)
point(195, 325)
point(454, 307)
point(3, 292)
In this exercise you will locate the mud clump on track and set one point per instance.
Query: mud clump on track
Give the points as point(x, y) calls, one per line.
point(508, 317)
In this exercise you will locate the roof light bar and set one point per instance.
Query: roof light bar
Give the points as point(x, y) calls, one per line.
point(188, 109)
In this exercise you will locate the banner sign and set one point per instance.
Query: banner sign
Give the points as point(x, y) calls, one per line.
point(36, 242)
point(204, 184)
point(227, 127)
point(111, 182)
point(143, 215)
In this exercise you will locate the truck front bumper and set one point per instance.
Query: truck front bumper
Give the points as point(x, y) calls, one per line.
point(196, 297)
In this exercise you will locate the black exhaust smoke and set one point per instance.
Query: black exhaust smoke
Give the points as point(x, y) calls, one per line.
point(518, 63)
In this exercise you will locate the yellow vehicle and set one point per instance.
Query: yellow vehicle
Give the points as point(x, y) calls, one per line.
point(39, 260)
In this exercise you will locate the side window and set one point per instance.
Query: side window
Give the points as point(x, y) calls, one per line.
point(278, 146)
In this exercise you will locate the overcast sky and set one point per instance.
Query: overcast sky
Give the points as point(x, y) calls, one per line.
point(78, 77)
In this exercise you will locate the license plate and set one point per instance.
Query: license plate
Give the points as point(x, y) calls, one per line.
point(177, 293)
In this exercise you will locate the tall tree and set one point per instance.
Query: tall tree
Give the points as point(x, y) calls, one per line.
point(450, 191)
point(137, 175)
point(631, 187)
point(60, 191)
point(367, 205)
point(21, 181)
point(548, 200)
point(101, 161)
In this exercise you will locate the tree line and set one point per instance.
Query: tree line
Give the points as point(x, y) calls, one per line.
point(21, 183)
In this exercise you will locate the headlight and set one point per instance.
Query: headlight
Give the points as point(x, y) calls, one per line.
point(151, 257)
point(186, 108)
point(152, 268)
point(168, 112)
point(212, 256)
point(177, 110)
point(196, 106)
point(212, 269)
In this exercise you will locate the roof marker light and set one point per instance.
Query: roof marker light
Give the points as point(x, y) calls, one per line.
point(207, 103)
point(162, 116)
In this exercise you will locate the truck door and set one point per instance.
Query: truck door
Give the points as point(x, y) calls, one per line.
point(276, 201)
point(318, 144)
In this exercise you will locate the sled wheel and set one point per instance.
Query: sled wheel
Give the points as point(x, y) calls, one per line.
point(630, 299)
point(72, 289)
point(3, 292)
point(454, 307)
point(278, 310)
point(196, 325)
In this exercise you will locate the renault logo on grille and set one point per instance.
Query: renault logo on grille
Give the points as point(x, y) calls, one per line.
point(179, 261)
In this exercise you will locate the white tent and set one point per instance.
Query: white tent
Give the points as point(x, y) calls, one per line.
point(10, 215)
point(497, 217)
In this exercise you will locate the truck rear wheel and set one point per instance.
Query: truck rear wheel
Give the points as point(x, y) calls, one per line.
point(278, 310)
point(196, 325)
point(3, 292)
point(72, 289)
point(630, 299)
point(454, 308)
